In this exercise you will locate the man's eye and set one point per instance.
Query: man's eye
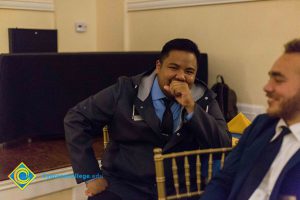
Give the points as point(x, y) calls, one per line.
point(279, 80)
point(190, 72)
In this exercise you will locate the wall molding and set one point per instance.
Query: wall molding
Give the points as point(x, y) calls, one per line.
point(160, 4)
point(41, 5)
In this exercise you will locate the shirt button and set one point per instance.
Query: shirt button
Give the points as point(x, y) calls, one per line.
point(178, 134)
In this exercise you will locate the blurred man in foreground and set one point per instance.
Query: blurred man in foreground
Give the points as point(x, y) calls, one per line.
point(266, 162)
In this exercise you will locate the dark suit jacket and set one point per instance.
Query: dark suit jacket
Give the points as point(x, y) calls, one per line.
point(129, 154)
point(291, 183)
point(227, 183)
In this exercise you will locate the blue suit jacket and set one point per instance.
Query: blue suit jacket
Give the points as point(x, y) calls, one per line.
point(291, 184)
point(227, 183)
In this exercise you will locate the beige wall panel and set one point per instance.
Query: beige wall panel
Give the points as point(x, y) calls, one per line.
point(111, 25)
point(67, 12)
point(241, 39)
point(10, 18)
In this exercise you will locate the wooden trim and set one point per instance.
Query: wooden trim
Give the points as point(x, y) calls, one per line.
point(161, 4)
point(41, 5)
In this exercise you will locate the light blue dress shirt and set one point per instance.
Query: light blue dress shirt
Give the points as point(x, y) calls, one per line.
point(159, 106)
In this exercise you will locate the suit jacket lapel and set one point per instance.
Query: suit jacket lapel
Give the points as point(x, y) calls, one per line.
point(295, 159)
point(143, 101)
point(250, 155)
point(147, 112)
point(253, 151)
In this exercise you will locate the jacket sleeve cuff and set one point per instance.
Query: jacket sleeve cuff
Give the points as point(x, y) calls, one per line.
point(99, 176)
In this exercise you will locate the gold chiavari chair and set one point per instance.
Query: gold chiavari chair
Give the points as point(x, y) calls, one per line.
point(105, 136)
point(105, 139)
point(160, 171)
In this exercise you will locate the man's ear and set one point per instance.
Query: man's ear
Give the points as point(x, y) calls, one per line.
point(158, 66)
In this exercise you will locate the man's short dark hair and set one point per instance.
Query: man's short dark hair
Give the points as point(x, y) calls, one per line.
point(292, 46)
point(181, 44)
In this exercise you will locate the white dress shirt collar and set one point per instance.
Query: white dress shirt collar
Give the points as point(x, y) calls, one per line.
point(295, 129)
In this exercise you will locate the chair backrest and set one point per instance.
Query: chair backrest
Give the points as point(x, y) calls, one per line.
point(160, 171)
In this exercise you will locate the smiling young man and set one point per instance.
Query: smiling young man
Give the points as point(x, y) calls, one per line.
point(266, 162)
point(176, 74)
point(165, 107)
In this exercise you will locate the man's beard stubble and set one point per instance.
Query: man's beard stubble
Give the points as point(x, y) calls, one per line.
point(289, 108)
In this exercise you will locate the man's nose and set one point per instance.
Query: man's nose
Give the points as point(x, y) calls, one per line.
point(268, 87)
point(180, 76)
